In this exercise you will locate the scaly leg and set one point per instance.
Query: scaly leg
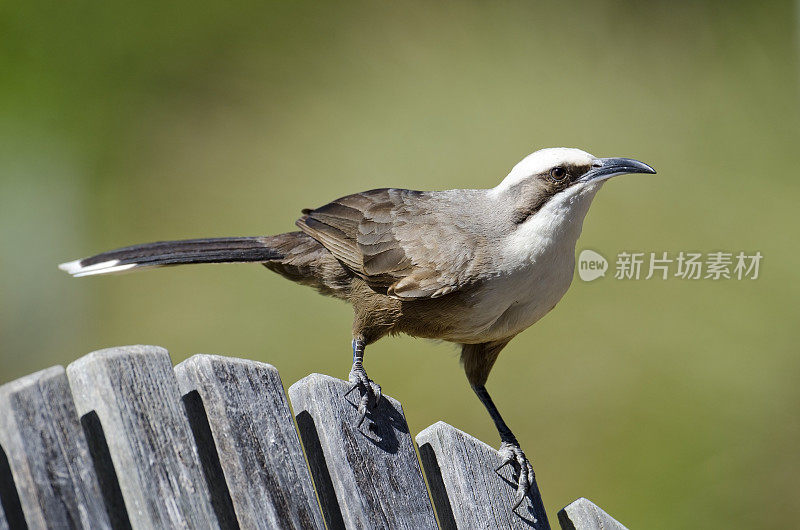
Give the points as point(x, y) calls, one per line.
point(369, 390)
point(509, 447)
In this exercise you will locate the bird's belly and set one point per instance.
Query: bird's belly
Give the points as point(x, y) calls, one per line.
point(505, 306)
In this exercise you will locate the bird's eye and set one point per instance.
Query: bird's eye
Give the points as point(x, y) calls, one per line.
point(558, 173)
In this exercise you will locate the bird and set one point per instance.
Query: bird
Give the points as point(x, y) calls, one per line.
point(474, 267)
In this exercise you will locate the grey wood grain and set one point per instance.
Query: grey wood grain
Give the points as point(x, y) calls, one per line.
point(243, 405)
point(367, 477)
point(47, 454)
point(466, 490)
point(132, 395)
point(583, 514)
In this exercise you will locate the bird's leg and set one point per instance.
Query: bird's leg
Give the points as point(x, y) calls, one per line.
point(510, 451)
point(369, 390)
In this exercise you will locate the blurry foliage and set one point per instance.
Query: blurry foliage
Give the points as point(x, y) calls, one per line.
point(672, 404)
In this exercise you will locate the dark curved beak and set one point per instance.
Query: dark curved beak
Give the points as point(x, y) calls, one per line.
point(605, 168)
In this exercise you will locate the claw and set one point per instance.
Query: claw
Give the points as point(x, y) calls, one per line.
point(352, 387)
point(376, 392)
point(512, 454)
point(518, 502)
point(506, 461)
point(369, 390)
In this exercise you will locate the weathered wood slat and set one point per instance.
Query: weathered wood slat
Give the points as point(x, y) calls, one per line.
point(131, 394)
point(243, 405)
point(366, 477)
point(111, 444)
point(466, 490)
point(48, 455)
point(583, 514)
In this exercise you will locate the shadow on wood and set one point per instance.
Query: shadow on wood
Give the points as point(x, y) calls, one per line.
point(209, 458)
point(104, 470)
point(10, 507)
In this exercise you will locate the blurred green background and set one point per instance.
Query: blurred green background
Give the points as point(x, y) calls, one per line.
point(671, 404)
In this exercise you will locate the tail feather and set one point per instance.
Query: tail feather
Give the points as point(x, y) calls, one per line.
point(163, 253)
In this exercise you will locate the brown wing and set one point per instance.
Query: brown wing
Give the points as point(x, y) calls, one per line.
point(402, 242)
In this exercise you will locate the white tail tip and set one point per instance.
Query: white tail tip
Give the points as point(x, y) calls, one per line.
point(106, 267)
point(71, 267)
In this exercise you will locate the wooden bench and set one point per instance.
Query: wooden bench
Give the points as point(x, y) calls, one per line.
point(121, 439)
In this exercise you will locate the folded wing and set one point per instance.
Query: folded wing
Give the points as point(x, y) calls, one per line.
point(408, 244)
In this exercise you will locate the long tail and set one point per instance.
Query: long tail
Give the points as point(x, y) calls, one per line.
point(163, 253)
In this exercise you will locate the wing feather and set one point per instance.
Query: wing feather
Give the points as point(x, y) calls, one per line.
point(403, 242)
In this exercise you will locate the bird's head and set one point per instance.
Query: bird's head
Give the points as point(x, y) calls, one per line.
point(562, 178)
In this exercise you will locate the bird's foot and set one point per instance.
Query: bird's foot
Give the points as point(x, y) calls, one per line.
point(512, 454)
point(369, 390)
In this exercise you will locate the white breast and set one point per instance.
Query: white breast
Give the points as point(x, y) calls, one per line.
point(537, 262)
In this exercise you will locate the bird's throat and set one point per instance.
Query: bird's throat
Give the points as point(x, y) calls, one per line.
point(552, 232)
